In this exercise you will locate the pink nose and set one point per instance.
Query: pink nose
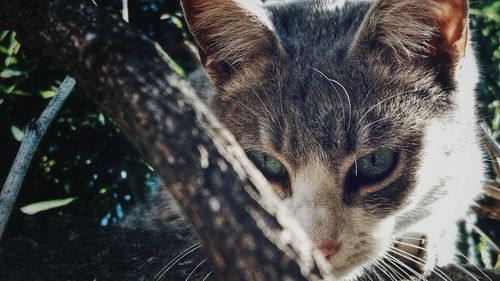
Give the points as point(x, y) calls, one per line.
point(329, 250)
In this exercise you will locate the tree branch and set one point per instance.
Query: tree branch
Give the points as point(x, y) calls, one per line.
point(33, 134)
point(51, 246)
point(241, 224)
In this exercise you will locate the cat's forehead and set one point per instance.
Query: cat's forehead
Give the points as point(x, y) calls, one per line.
point(341, 110)
point(329, 110)
point(315, 98)
point(316, 30)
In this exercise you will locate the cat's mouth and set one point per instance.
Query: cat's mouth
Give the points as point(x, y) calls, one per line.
point(353, 261)
point(352, 267)
point(407, 255)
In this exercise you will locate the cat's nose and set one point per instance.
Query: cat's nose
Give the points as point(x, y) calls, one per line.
point(329, 249)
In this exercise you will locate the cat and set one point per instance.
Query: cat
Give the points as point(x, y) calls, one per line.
point(360, 114)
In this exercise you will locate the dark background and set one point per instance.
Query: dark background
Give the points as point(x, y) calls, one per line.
point(85, 159)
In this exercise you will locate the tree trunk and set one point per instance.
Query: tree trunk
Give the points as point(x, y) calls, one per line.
point(53, 247)
point(246, 233)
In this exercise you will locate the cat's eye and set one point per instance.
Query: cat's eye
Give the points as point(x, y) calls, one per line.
point(274, 171)
point(375, 166)
point(268, 165)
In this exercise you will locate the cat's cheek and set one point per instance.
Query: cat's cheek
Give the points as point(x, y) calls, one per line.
point(370, 239)
point(382, 235)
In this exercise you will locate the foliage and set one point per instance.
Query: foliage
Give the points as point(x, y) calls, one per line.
point(85, 156)
point(485, 23)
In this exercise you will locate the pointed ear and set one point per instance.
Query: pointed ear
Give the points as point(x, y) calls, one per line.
point(416, 29)
point(230, 35)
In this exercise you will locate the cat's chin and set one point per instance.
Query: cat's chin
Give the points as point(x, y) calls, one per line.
point(356, 264)
point(352, 269)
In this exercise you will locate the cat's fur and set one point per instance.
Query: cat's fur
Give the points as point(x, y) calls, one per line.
point(318, 84)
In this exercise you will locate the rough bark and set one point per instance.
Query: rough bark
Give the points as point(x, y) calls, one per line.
point(53, 247)
point(246, 233)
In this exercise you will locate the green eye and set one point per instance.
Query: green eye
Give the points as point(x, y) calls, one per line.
point(375, 165)
point(268, 165)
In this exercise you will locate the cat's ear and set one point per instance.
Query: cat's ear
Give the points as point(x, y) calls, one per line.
point(230, 35)
point(414, 29)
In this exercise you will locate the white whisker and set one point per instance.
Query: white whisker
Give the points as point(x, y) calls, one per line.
point(368, 274)
point(378, 263)
point(281, 96)
point(174, 261)
point(455, 264)
point(348, 100)
point(206, 277)
point(355, 165)
point(252, 88)
point(337, 92)
point(475, 266)
point(367, 95)
point(194, 270)
point(490, 241)
point(419, 261)
point(395, 262)
point(377, 104)
point(244, 106)
point(463, 269)
point(372, 267)
point(388, 271)
point(358, 132)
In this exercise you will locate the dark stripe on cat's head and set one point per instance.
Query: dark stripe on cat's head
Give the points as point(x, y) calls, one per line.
point(320, 84)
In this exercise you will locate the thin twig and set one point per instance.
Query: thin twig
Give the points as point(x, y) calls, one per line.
point(492, 187)
point(34, 133)
point(485, 236)
point(490, 141)
point(125, 14)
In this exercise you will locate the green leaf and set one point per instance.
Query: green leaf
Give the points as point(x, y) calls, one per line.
point(18, 92)
point(173, 64)
point(46, 205)
point(14, 45)
point(495, 123)
point(47, 94)
point(8, 89)
point(4, 34)
point(174, 19)
point(17, 133)
point(492, 12)
point(150, 167)
point(10, 60)
point(9, 73)
point(484, 251)
point(102, 120)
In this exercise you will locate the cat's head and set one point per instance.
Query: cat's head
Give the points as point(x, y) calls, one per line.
point(335, 102)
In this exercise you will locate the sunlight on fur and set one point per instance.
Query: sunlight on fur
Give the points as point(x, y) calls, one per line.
point(360, 113)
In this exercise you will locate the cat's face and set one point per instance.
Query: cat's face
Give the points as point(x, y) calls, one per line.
point(341, 147)
point(334, 107)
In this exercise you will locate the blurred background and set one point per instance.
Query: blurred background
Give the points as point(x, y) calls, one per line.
point(86, 164)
